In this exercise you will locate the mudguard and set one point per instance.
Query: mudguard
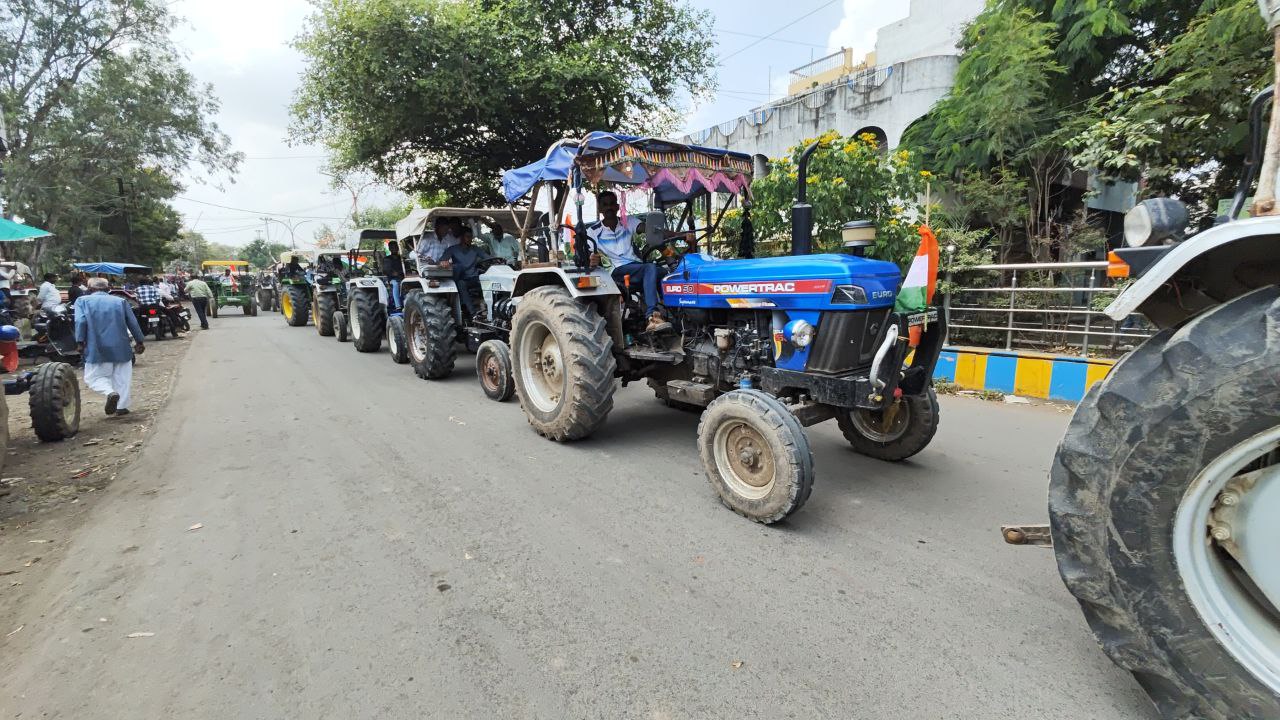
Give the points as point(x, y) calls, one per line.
point(1203, 271)
point(527, 280)
point(367, 283)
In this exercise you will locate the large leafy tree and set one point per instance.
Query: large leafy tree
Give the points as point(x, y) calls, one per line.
point(1138, 89)
point(102, 118)
point(435, 95)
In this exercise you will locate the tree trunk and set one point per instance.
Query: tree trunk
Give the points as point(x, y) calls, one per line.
point(1264, 201)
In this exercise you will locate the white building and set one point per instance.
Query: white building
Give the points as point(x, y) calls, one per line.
point(913, 66)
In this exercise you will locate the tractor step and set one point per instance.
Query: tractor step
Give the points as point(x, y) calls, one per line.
point(648, 355)
point(687, 391)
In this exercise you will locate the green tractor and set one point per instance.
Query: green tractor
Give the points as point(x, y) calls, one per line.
point(294, 280)
point(329, 293)
point(232, 284)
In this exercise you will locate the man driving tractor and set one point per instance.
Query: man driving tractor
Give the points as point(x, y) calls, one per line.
point(464, 259)
point(615, 240)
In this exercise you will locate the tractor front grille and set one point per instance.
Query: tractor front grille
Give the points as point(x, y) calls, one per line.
point(847, 340)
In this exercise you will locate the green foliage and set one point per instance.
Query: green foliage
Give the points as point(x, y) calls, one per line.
point(1185, 130)
point(102, 119)
point(438, 95)
point(191, 248)
point(261, 253)
point(850, 178)
point(384, 217)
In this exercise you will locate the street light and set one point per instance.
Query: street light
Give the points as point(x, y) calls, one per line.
point(292, 228)
point(355, 193)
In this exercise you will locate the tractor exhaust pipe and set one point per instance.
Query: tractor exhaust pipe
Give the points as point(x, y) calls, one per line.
point(801, 211)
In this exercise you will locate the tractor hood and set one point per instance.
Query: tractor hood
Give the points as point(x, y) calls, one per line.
point(792, 281)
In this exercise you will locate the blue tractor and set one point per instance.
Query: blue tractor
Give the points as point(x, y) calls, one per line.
point(767, 346)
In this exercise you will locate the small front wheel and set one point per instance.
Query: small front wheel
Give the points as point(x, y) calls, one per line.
point(756, 455)
point(896, 433)
point(396, 341)
point(340, 325)
point(493, 366)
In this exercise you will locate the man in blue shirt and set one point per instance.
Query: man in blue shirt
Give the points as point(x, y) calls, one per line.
point(614, 241)
point(464, 259)
point(103, 326)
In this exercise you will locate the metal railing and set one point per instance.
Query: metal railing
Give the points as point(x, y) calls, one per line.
point(1055, 314)
point(837, 59)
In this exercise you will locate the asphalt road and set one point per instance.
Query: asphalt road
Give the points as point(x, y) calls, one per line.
point(377, 546)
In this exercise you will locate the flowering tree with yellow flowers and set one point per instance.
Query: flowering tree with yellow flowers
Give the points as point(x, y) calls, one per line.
point(850, 178)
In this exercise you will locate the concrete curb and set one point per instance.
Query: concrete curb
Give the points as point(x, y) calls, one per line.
point(1025, 373)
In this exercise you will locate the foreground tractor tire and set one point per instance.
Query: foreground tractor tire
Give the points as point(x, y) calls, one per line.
point(895, 433)
point(295, 305)
point(54, 400)
point(396, 342)
point(431, 335)
point(564, 364)
point(493, 367)
point(368, 320)
point(1165, 479)
point(4, 430)
point(756, 455)
point(322, 313)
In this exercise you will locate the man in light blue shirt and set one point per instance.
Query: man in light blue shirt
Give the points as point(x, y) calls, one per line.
point(431, 246)
point(614, 241)
point(103, 325)
point(502, 245)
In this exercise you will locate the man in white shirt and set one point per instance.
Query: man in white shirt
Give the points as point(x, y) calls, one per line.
point(48, 297)
point(432, 245)
point(614, 241)
point(6, 280)
point(168, 291)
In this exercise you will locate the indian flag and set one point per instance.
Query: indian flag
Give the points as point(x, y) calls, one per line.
point(922, 279)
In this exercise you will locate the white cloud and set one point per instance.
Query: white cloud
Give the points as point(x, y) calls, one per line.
point(862, 18)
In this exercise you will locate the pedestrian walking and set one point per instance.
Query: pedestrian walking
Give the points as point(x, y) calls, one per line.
point(200, 292)
point(103, 326)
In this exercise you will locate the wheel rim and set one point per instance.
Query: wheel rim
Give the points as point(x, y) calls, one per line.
point(744, 460)
point(543, 367)
point(490, 372)
point(354, 324)
point(417, 331)
point(69, 408)
point(1225, 523)
point(286, 305)
point(391, 342)
point(883, 426)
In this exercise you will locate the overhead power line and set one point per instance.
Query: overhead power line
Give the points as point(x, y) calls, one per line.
point(260, 212)
point(762, 38)
point(774, 39)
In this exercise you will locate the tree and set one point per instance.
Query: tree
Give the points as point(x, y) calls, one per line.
point(102, 118)
point(262, 253)
point(465, 90)
point(849, 179)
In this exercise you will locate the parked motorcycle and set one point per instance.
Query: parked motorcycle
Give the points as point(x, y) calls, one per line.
point(54, 334)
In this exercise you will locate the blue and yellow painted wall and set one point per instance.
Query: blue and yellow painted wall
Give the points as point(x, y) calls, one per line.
point(1029, 374)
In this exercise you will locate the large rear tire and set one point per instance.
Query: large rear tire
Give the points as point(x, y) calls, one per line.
point(396, 342)
point(1136, 502)
point(368, 319)
point(493, 367)
point(295, 305)
point(893, 434)
point(756, 455)
point(564, 364)
point(54, 399)
point(322, 313)
point(431, 335)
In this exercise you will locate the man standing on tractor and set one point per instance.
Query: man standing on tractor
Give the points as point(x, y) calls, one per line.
point(393, 269)
point(200, 292)
point(615, 240)
point(464, 259)
point(104, 323)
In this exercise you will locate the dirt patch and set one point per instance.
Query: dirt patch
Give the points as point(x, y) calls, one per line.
point(39, 477)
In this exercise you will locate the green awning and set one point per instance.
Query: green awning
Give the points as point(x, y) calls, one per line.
point(10, 231)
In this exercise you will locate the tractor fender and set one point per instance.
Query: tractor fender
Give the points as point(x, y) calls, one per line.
point(527, 280)
point(1204, 271)
point(423, 286)
point(369, 283)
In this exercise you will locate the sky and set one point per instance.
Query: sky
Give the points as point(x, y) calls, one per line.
point(242, 49)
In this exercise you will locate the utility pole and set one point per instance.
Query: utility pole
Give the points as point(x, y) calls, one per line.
point(128, 227)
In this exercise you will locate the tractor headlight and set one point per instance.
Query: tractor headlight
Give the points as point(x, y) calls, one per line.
point(799, 333)
point(1152, 221)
